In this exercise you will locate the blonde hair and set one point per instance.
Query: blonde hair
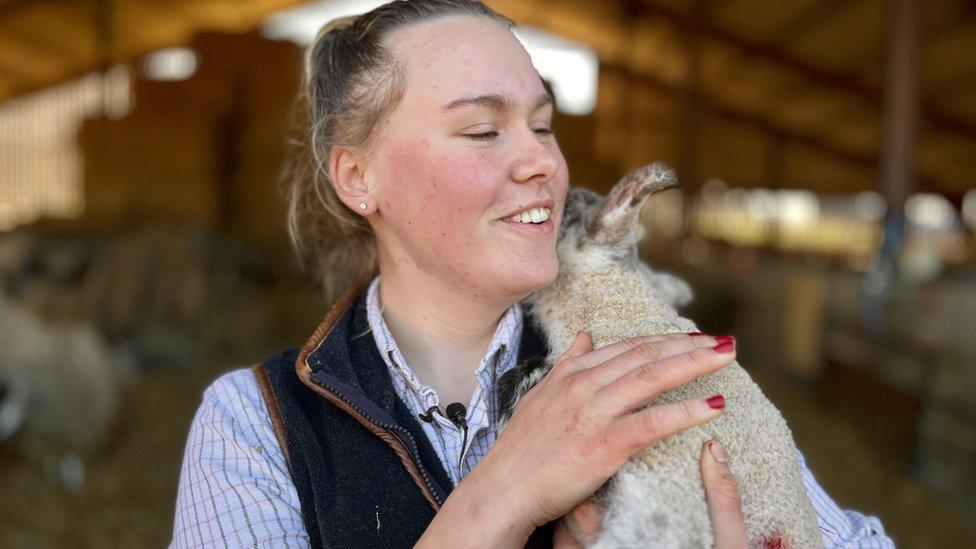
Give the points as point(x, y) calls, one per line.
point(351, 83)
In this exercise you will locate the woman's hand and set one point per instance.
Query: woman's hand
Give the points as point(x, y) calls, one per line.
point(721, 494)
point(574, 430)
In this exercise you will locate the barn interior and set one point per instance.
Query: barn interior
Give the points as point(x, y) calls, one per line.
point(826, 214)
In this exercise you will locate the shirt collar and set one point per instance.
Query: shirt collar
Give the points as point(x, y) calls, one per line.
point(500, 355)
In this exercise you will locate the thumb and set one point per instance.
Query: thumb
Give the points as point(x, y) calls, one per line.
point(722, 497)
point(581, 345)
point(578, 527)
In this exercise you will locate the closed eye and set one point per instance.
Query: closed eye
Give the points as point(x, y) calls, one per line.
point(491, 135)
point(482, 136)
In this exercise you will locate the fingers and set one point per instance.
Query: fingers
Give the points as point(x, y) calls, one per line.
point(569, 361)
point(722, 496)
point(601, 355)
point(647, 380)
point(581, 345)
point(645, 353)
point(640, 429)
point(578, 526)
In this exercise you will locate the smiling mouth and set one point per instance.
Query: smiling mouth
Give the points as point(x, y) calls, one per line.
point(540, 228)
point(534, 216)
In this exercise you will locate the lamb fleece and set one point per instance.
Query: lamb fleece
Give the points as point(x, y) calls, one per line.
point(657, 499)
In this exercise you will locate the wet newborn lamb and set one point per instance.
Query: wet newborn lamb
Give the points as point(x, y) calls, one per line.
point(656, 499)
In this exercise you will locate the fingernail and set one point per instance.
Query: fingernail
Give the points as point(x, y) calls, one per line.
point(725, 344)
point(716, 401)
point(696, 333)
point(715, 447)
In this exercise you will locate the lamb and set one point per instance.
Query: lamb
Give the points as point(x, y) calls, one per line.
point(656, 499)
point(62, 391)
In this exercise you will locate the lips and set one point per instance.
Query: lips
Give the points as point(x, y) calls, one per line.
point(544, 203)
point(544, 228)
point(534, 215)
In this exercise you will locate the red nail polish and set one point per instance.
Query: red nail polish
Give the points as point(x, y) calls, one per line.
point(725, 344)
point(716, 401)
point(696, 333)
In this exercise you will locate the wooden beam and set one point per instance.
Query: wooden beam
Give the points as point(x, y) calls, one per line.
point(39, 43)
point(960, 85)
point(713, 107)
point(960, 18)
point(831, 79)
point(811, 18)
point(10, 6)
point(13, 70)
point(781, 134)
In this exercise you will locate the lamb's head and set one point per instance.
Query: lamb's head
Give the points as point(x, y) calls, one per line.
point(605, 230)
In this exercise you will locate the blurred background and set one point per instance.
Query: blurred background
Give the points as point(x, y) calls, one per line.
point(826, 217)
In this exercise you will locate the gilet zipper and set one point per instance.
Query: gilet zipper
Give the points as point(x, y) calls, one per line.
point(396, 430)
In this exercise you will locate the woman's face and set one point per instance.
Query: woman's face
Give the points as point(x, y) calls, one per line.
point(444, 178)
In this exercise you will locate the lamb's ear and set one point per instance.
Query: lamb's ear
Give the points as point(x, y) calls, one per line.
point(617, 217)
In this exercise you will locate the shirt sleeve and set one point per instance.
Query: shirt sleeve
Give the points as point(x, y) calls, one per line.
point(842, 528)
point(234, 488)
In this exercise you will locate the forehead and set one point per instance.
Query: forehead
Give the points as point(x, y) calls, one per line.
point(457, 56)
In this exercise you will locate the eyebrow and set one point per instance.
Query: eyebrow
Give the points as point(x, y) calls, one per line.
point(495, 102)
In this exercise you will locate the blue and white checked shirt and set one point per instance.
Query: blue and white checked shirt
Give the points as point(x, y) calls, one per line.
point(235, 489)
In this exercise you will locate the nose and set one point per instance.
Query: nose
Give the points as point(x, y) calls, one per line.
point(535, 158)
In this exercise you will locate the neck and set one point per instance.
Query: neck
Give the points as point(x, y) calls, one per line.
point(442, 331)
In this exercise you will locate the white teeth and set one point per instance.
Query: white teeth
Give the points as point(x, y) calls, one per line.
point(535, 215)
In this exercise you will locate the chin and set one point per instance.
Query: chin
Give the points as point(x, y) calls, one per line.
point(533, 277)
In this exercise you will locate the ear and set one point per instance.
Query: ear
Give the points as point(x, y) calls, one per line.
point(617, 218)
point(349, 181)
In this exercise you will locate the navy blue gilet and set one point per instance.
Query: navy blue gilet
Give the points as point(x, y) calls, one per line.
point(365, 472)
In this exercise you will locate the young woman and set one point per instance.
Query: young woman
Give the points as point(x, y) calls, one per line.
point(429, 131)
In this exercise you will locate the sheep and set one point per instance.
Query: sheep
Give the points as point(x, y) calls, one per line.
point(63, 392)
point(657, 499)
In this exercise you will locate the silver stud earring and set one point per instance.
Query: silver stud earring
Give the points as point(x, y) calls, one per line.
point(362, 205)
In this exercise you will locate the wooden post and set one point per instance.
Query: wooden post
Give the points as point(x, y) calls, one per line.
point(688, 171)
point(900, 121)
point(104, 35)
point(897, 165)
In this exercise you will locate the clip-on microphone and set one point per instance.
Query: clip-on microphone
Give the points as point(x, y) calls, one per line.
point(456, 413)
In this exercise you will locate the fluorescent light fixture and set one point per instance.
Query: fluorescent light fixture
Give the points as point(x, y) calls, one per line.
point(930, 211)
point(301, 24)
point(798, 206)
point(170, 64)
point(571, 67)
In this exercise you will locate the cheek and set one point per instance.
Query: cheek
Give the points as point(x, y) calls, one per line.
point(461, 189)
point(442, 196)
